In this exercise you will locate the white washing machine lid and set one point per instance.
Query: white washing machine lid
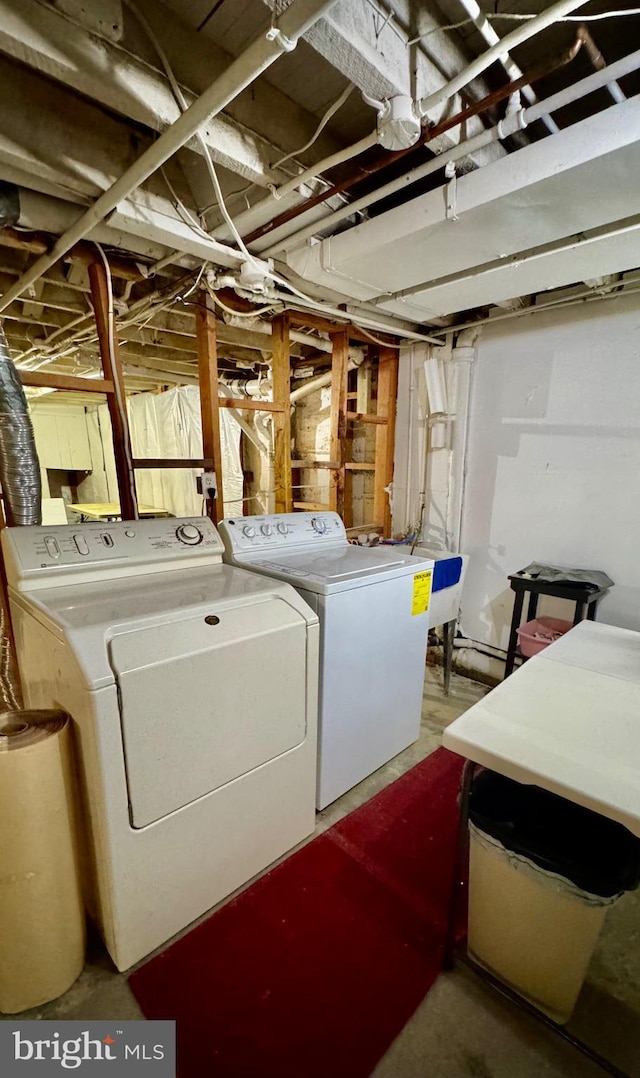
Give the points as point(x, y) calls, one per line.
point(89, 615)
point(337, 568)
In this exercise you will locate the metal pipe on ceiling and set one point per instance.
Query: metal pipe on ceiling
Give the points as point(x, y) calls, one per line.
point(489, 35)
point(617, 70)
point(256, 58)
point(599, 62)
point(363, 171)
point(522, 33)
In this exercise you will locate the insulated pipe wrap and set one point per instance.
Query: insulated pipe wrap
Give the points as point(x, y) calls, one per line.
point(19, 465)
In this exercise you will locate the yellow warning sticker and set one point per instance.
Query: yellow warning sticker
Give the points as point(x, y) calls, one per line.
point(421, 592)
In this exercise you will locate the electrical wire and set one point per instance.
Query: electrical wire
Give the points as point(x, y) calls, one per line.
point(376, 340)
point(493, 17)
point(277, 306)
point(331, 111)
point(186, 213)
point(183, 105)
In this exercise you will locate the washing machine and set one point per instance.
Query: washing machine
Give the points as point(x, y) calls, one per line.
point(373, 608)
point(193, 692)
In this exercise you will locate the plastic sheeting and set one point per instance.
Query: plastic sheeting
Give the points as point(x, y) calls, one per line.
point(164, 425)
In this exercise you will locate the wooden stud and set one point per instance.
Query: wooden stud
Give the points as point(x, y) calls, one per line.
point(339, 389)
point(365, 417)
point(311, 507)
point(331, 465)
point(65, 381)
point(173, 462)
point(281, 378)
point(244, 404)
point(359, 466)
point(385, 434)
point(116, 401)
point(209, 398)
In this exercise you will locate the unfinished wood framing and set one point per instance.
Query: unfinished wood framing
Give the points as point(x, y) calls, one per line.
point(385, 434)
point(281, 380)
point(209, 397)
point(116, 401)
point(42, 380)
point(339, 388)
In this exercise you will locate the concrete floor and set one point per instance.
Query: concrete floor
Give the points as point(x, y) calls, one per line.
point(463, 1029)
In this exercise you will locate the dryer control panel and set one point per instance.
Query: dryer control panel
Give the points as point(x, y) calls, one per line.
point(55, 553)
point(281, 531)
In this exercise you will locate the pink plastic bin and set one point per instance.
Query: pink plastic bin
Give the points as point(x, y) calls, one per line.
point(536, 635)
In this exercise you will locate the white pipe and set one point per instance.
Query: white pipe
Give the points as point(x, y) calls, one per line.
point(516, 37)
point(310, 387)
point(463, 356)
point(322, 380)
point(485, 28)
point(596, 81)
point(255, 59)
point(314, 171)
point(506, 127)
point(463, 149)
point(246, 219)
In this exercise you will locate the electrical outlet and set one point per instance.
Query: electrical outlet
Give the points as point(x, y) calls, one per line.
point(207, 484)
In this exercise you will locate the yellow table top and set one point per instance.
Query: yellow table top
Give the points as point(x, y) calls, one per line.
point(111, 510)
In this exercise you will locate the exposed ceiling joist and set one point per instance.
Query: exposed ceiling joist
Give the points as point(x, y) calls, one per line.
point(42, 38)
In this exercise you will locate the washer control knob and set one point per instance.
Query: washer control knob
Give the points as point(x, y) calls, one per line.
point(266, 529)
point(130, 534)
point(319, 524)
point(81, 544)
point(188, 533)
point(282, 528)
point(53, 550)
point(248, 531)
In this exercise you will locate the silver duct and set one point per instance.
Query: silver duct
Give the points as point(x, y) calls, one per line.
point(19, 465)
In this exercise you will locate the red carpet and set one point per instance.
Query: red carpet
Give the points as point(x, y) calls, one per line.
point(314, 969)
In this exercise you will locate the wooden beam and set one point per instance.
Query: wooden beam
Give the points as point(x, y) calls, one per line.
point(281, 378)
point(327, 325)
point(331, 465)
point(245, 404)
point(172, 462)
point(359, 466)
point(365, 417)
point(102, 299)
point(43, 380)
point(339, 380)
point(39, 243)
point(385, 435)
point(311, 507)
point(210, 397)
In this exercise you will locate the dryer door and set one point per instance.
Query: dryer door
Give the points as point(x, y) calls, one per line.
point(205, 700)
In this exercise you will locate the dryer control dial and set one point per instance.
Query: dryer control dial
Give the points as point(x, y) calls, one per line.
point(248, 531)
point(282, 528)
point(319, 524)
point(266, 529)
point(188, 533)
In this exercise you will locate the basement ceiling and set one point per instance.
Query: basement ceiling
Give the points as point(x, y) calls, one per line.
point(391, 236)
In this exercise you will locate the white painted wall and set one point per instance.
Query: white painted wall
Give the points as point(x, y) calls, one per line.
point(553, 465)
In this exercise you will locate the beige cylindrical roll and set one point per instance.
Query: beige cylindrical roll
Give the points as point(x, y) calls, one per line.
point(42, 922)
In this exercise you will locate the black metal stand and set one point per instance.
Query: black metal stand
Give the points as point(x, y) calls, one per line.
point(454, 952)
point(585, 597)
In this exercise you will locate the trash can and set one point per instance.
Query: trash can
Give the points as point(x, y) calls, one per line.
point(542, 874)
